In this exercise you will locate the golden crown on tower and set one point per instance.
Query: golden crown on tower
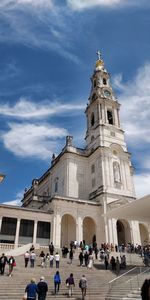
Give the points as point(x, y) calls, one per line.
point(99, 62)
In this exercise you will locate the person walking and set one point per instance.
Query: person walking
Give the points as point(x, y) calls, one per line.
point(57, 282)
point(91, 260)
point(145, 290)
point(12, 264)
point(70, 284)
point(47, 260)
point(51, 248)
point(26, 258)
point(86, 258)
point(113, 263)
point(57, 259)
point(42, 289)
point(32, 259)
point(51, 260)
point(31, 290)
point(83, 286)
point(117, 266)
point(71, 255)
point(106, 262)
point(81, 258)
point(3, 261)
point(42, 255)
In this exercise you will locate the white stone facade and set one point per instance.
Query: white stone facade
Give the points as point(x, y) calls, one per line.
point(82, 185)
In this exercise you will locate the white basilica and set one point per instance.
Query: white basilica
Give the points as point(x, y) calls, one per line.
point(71, 199)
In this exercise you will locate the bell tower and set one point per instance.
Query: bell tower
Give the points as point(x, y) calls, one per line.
point(105, 142)
point(102, 112)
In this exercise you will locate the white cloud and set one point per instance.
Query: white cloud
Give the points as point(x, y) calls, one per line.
point(135, 110)
point(36, 3)
point(31, 140)
point(142, 184)
point(83, 4)
point(37, 24)
point(25, 109)
point(17, 201)
point(80, 5)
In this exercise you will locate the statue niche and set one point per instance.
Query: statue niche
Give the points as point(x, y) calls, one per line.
point(116, 171)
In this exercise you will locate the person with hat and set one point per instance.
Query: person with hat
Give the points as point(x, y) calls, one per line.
point(42, 288)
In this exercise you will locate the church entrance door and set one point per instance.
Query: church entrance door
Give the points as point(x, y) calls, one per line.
point(123, 232)
point(68, 230)
point(143, 234)
point(89, 230)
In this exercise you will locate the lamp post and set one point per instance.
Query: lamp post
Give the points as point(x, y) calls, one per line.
point(2, 176)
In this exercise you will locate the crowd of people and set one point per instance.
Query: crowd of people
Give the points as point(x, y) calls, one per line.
point(87, 255)
point(41, 288)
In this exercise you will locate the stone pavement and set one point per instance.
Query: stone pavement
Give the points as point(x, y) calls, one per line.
point(12, 288)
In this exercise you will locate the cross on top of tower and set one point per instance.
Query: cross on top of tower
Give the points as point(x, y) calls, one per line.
point(99, 55)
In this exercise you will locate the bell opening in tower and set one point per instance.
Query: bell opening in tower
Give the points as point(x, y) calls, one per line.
point(110, 117)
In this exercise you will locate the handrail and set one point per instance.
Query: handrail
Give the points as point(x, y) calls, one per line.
point(140, 274)
point(132, 278)
point(122, 275)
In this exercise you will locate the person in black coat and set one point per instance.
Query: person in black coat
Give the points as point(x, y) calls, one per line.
point(42, 289)
point(145, 290)
point(3, 261)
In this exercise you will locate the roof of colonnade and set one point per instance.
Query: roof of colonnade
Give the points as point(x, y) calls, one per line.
point(136, 210)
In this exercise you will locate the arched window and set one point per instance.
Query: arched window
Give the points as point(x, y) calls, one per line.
point(92, 138)
point(116, 171)
point(93, 168)
point(93, 97)
point(110, 117)
point(56, 184)
point(94, 83)
point(104, 81)
point(92, 119)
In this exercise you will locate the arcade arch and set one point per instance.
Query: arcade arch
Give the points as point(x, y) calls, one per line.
point(89, 230)
point(68, 230)
point(144, 234)
point(123, 232)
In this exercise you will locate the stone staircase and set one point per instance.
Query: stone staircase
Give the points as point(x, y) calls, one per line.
point(12, 288)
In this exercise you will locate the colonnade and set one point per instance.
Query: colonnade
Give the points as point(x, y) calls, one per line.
point(3, 235)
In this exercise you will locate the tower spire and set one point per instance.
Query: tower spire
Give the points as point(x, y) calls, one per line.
point(98, 54)
point(99, 65)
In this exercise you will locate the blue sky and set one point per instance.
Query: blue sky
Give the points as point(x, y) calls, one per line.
point(47, 55)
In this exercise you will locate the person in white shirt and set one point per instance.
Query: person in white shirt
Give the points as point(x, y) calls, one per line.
point(32, 259)
point(26, 258)
point(57, 259)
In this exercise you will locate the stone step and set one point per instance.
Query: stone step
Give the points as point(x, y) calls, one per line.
point(12, 288)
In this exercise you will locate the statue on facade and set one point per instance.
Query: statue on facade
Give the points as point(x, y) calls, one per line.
point(116, 169)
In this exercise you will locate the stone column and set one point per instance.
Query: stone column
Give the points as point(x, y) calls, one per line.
point(114, 230)
point(79, 229)
point(105, 220)
point(34, 232)
point(0, 223)
point(51, 232)
point(110, 228)
point(17, 233)
point(136, 238)
point(57, 231)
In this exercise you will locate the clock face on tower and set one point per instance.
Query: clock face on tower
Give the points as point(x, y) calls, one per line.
point(107, 93)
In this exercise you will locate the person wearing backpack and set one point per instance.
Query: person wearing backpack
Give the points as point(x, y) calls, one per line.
point(83, 286)
point(70, 284)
